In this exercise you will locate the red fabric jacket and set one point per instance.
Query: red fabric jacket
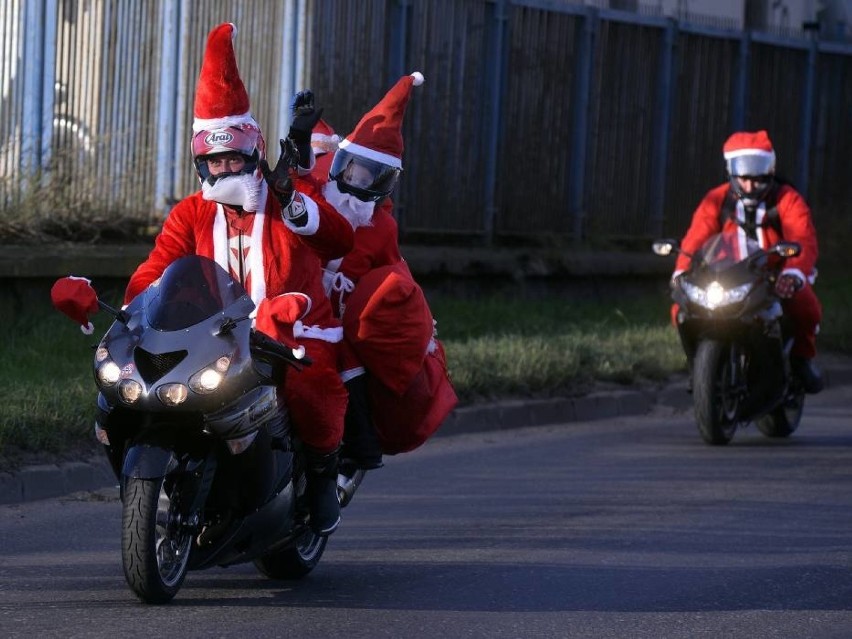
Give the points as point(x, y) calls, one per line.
point(290, 259)
point(793, 214)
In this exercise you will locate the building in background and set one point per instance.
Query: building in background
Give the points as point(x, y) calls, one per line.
point(830, 18)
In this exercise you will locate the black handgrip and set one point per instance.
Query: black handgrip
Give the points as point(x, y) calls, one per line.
point(264, 346)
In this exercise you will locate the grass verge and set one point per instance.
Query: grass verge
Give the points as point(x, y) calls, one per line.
point(496, 348)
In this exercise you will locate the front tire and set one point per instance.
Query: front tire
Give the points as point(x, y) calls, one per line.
point(715, 405)
point(155, 545)
point(294, 562)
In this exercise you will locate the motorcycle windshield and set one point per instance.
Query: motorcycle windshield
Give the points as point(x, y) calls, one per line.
point(725, 249)
point(190, 290)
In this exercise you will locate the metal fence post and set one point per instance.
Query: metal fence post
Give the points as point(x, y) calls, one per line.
point(33, 76)
point(579, 127)
point(165, 184)
point(662, 123)
point(806, 126)
point(398, 39)
point(740, 98)
point(494, 74)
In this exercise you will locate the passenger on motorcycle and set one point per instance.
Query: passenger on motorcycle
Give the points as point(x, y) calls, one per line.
point(273, 245)
point(767, 210)
point(409, 387)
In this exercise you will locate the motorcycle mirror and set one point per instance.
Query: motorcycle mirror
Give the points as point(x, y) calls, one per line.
point(664, 247)
point(788, 249)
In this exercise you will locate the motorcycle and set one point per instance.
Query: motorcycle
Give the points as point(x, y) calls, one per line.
point(736, 337)
point(210, 473)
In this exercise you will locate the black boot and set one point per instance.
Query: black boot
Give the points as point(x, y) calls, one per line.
point(321, 478)
point(808, 374)
point(361, 446)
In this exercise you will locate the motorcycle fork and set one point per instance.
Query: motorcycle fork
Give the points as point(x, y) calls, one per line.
point(738, 365)
point(200, 480)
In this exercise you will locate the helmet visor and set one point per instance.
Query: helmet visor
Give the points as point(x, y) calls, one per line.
point(366, 179)
point(750, 165)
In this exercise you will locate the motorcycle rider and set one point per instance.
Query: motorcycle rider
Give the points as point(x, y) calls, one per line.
point(766, 209)
point(273, 245)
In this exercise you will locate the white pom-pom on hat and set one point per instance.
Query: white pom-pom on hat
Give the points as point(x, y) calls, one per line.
point(418, 78)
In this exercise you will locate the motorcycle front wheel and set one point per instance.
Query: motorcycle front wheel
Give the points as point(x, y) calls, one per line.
point(715, 404)
point(296, 561)
point(155, 545)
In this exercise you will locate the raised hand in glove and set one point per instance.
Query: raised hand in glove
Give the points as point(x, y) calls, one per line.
point(279, 180)
point(305, 117)
point(787, 285)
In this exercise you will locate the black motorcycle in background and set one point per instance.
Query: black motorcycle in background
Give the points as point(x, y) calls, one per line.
point(210, 473)
point(736, 337)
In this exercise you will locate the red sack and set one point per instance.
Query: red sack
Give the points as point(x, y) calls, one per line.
point(405, 422)
point(388, 324)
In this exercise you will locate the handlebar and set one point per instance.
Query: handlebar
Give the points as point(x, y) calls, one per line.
point(264, 346)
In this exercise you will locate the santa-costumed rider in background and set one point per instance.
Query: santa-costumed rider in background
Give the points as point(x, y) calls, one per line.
point(274, 240)
point(762, 208)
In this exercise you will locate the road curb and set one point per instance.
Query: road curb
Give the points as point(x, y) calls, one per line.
point(44, 481)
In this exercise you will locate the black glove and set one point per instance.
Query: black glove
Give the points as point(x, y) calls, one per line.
point(305, 117)
point(278, 179)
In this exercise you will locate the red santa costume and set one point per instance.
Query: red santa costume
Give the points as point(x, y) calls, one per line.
point(234, 222)
point(794, 221)
point(388, 327)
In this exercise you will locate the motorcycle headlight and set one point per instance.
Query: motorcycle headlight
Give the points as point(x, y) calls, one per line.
point(172, 394)
point(715, 295)
point(108, 373)
point(129, 390)
point(208, 379)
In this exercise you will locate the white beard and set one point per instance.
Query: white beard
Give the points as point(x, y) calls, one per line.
point(235, 190)
point(358, 213)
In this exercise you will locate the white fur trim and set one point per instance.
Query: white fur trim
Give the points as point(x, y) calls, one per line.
point(333, 335)
point(418, 78)
point(258, 275)
point(220, 249)
point(220, 238)
point(352, 373)
point(206, 124)
point(730, 155)
point(371, 154)
point(313, 223)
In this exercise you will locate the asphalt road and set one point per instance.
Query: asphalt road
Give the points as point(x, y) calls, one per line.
point(630, 527)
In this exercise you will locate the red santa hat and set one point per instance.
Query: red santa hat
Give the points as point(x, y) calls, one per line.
point(747, 143)
point(378, 136)
point(221, 99)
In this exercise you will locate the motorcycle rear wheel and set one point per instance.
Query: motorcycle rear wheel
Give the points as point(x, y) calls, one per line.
point(784, 420)
point(294, 562)
point(155, 546)
point(714, 404)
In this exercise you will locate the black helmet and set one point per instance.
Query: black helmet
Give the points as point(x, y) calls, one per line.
point(366, 179)
point(749, 155)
